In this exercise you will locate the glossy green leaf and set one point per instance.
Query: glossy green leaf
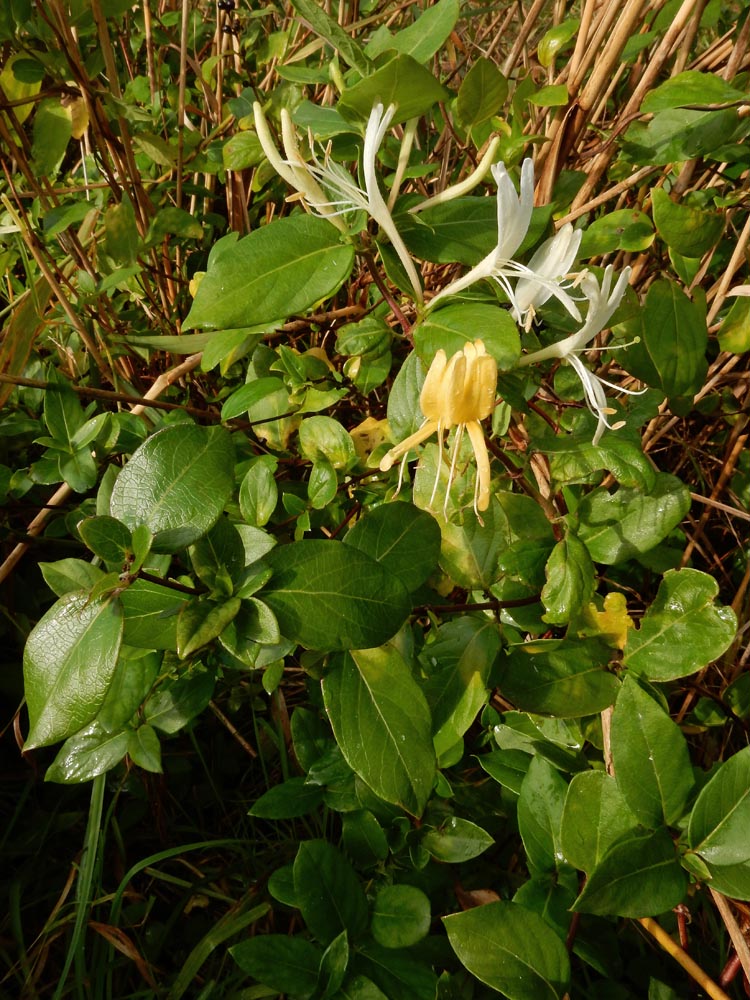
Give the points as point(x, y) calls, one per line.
point(573, 458)
point(456, 840)
point(286, 801)
point(68, 664)
point(324, 437)
point(669, 353)
point(107, 538)
point(683, 630)
point(462, 230)
point(421, 39)
point(566, 678)
point(134, 676)
point(625, 229)
point(66, 575)
point(570, 580)
point(151, 612)
point(63, 414)
point(278, 270)
point(382, 724)
point(364, 839)
point(734, 333)
point(333, 966)
point(200, 621)
point(507, 767)
point(594, 817)
point(144, 749)
point(482, 93)
point(178, 701)
point(460, 660)
point(176, 484)
point(400, 916)
point(555, 40)
point(512, 950)
point(397, 973)
point(242, 399)
point(53, 131)
point(401, 81)
point(731, 880)
point(470, 551)
point(691, 87)
point(651, 759)
point(218, 558)
point(328, 892)
point(720, 818)
point(90, 752)
point(451, 328)
point(282, 963)
point(326, 595)
point(259, 493)
point(689, 231)
point(628, 523)
point(540, 807)
point(639, 876)
point(402, 538)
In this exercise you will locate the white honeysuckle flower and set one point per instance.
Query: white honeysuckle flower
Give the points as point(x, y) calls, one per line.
point(457, 392)
point(513, 219)
point(549, 265)
point(329, 190)
point(603, 301)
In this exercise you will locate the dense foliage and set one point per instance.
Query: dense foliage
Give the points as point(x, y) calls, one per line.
point(374, 400)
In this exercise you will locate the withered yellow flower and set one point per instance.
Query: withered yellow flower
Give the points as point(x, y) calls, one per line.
point(457, 392)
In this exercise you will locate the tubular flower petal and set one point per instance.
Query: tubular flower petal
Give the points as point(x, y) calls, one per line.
point(330, 191)
point(603, 301)
point(543, 276)
point(457, 392)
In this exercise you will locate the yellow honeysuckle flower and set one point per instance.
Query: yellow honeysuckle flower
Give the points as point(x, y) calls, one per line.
point(457, 392)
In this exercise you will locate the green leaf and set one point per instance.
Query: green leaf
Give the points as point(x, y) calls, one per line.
point(567, 678)
point(734, 332)
point(687, 230)
point(462, 231)
point(284, 964)
point(90, 752)
point(328, 892)
point(421, 39)
point(121, 239)
point(324, 437)
point(364, 838)
point(404, 414)
point(402, 538)
point(278, 270)
point(333, 966)
point(540, 807)
point(332, 596)
point(62, 411)
point(671, 332)
point(683, 630)
point(639, 876)
point(397, 973)
point(219, 557)
point(144, 749)
point(200, 621)
point(107, 538)
point(507, 767)
point(242, 399)
point(470, 550)
point(595, 816)
point(553, 96)
point(176, 484)
point(382, 724)
point(66, 575)
point(721, 815)
point(570, 580)
point(401, 81)
point(286, 801)
point(625, 229)
point(456, 840)
point(331, 31)
point(455, 326)
point(400, 916)
point(178, 701)
point(151, 612)
point(461, 658)
point(134, 676)
point(555, 40)
point(482, 93)
point(628, 523)
point(68, 664)
point(573, 458)
point(53, 130)
point(651, 758)
point(691, 87)
point(259, 493)
point(512, 950)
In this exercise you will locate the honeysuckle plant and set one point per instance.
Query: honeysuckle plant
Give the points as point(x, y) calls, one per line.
point(450, 706)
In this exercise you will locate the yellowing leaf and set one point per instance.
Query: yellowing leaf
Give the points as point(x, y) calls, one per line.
point(613, 622)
